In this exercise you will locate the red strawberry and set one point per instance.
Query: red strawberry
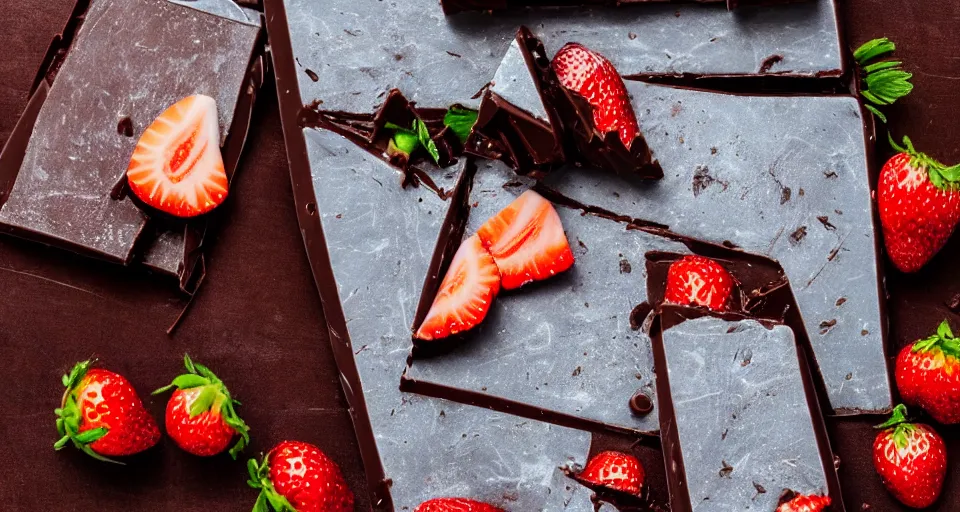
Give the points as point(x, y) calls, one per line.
point(919, 203)
point(526, 240)
point(615, 470)
point(928, 375)
point(201, 417)
point(298, 477)
point(455, 505)
point(465, 295)
point(805, 503)
point(102, 415)
point(911, 459)
point(699, 281)
point(591, 75)
point(176, 166)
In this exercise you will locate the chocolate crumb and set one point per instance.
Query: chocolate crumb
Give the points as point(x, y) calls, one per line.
point(798, 235)
point(826, 325)
point(784, 195)
point(640, 404)
point(625, 267)
point(769, 62)
point(840, 301)
point(864, 332)
point(723, 435)
point(583, 245)
point(576, 371)
point(313, 76)
point(125, 127)
point(726, 469)
point(826, 222)
point(830, 174)
point(631, 35)
point(848, 376)
point(457, 55)
point(760, 489)
point(713, 150)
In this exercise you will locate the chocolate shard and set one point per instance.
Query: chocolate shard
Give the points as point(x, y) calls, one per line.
point(440, 60)
point(534, 124)
point(752, 165)
point(738, 412)
point(376, 243)
point(60, 190)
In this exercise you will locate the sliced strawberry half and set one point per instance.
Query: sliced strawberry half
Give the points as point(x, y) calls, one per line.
point(804, 503)
point(614, 470)
point(465, 295)
point(177, 167)
point(455, 505)
point(527, 241)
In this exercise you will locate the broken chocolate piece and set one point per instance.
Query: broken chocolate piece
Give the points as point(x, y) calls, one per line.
point(729, 428)
point(60, 190)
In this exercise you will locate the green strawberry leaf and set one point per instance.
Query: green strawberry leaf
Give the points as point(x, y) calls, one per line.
point(261, 503)
point(460, 120)
point(279, 503)
point(188, 363)
point(873, 49)
point(90, 436)
point(189, 380)
point(944, 330)
point(880, 116)
point(423, 135)
point(204, 371)
point(204, 400)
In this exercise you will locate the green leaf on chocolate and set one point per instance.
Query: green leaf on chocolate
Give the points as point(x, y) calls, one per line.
point(426, 141)
point(460, 120)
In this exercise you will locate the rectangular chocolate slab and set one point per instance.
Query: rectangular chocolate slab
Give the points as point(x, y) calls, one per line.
point(785, 177)
point(377, 241)
point(77, 152)
point(349, 53)
point(739, 416)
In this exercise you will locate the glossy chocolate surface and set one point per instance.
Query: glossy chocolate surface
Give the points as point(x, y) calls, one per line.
point(784, 177)
point(741, 423)
point(344, 60)
point(62, 191)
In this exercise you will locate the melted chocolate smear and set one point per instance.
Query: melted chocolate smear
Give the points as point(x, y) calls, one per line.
point(640, 403)
point(639, 314)
point(125, 127)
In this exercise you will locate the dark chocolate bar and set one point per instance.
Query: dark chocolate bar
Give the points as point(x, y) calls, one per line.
point(102, 91)
point(377, 243)
point(349, 53)
point(740, 421)
point(784, 177)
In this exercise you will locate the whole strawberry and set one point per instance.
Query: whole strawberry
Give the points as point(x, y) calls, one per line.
point(614, 470)
point(911, 460)
point(928, 375)
point(700, 281)
point(455, 505)
point(298, 477)
point(201, 416)
point(805, 503)
point(102, 415)
point(591, 75)
point(919, 205)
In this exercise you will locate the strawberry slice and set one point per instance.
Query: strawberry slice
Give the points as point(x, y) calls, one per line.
point(804, 503)
point(696, 280)
point(614, 470)
point(527, 241)
point(177, 167)
point(455, 505)
point(465, 295)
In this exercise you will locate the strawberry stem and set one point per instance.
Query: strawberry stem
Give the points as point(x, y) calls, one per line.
point(883, 82)
point(943, 340)
point(941, 176)
point(898, 417)
point(260, 479)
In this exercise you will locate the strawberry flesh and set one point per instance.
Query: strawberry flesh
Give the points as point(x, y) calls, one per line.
point(465, 295)
point(455, 505)
point(527, 241)
point(591, 75)
point(928, 375)
point(806, 503)
point(614, 470)
point(176, 166)
point(700, 281)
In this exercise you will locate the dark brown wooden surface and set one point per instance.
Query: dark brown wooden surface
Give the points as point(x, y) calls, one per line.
point(258, 320)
